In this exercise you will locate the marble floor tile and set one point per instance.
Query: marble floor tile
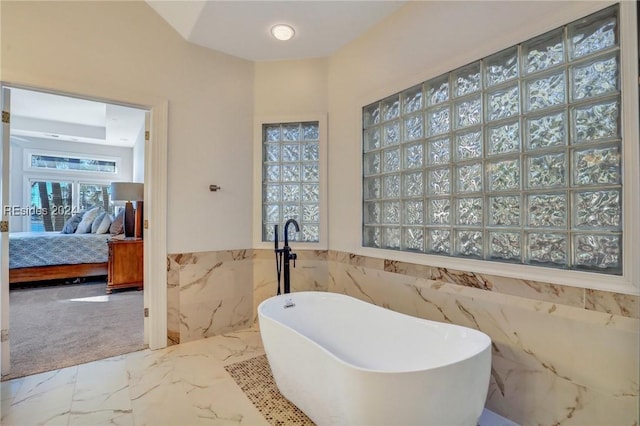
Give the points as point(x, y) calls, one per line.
point(101, 395)
point(184, 384)
point(9, 389)
point(43, 399)
point(222, 402)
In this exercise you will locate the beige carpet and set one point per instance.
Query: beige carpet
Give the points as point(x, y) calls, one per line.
point(58, 326)
point(256, 381)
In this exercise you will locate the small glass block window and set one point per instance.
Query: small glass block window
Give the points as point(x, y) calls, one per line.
point(547, 210)
point(291, 175)
point(503, 138)
point(437, 90)
point(505, 246)
point(546, 131)
point(503, 103)
point(595, 78)
point(513, 158)
point(467, 80)
point(439, 211)
point(544, 52)
point(504, 210)
point(601, 251)
point(589, 36)
point(501, 67)
point(412, 100)
point(414, 239)
point(546, 91)
point(595, 122)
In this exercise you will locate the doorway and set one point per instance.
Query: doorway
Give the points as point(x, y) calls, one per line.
point(153, 166)
point(65, 153)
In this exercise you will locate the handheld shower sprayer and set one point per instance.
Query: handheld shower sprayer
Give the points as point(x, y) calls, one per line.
point(284, 255)
point(278, 256)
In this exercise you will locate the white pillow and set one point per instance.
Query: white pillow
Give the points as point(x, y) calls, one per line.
point(97, 221)
point(105, 224)
point(84, 226)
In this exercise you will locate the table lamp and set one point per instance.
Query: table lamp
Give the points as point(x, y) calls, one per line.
point(128, 192)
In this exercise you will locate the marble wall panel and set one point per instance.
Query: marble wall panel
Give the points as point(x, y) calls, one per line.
point(613, 303)
point(173, 300)
point(213, 295)
point(356, 260)
point(572, 296)
point(310, 274)
point(553, 363)
point(214, 292)
point(601, 301)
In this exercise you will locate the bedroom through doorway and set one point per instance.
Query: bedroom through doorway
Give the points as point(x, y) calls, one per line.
point(76, 278)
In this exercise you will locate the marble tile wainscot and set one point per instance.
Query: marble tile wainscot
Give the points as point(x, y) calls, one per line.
point(561, 355)
point(311, 273)
point(208, 293)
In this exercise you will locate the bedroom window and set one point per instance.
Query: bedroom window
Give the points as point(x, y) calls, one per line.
point(72, 163)
point(513, 158)
point(291, 179)
point(53, 202)
point(95, 195)
point(51, 205)
point(59, 184)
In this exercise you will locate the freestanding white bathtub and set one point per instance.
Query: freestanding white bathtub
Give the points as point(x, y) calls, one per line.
point(347, 362)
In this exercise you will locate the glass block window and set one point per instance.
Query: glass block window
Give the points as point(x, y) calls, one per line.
point(513, 158)
point(291, 180)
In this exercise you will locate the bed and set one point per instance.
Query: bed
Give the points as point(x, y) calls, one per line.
point(37, 256)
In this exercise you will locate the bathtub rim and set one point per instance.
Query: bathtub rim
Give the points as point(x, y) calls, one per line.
point(486, 342)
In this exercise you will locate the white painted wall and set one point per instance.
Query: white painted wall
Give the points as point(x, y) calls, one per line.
point(119, 50)
point(291, 87)
point(138, 157)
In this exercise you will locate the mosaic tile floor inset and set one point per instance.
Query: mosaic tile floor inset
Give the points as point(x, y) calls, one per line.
point(256, 381)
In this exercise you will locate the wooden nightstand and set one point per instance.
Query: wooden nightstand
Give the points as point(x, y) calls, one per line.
point(126, 264)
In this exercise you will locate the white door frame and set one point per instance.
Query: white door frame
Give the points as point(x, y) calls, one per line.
point(155, 216)
point(5, 106)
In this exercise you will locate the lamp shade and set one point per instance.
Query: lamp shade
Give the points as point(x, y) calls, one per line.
point(127, 191)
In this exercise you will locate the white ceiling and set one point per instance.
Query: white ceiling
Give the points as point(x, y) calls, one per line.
point(242, 28)
point(49, 116)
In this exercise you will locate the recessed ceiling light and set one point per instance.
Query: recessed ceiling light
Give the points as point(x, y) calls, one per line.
point(282, 32)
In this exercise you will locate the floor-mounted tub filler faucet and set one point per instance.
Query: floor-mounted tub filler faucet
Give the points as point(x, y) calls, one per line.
point(284, 256)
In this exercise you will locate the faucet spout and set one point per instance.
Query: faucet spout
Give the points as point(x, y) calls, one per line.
point(286, 230)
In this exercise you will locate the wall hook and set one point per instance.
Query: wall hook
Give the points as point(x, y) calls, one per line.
point(214, 188)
